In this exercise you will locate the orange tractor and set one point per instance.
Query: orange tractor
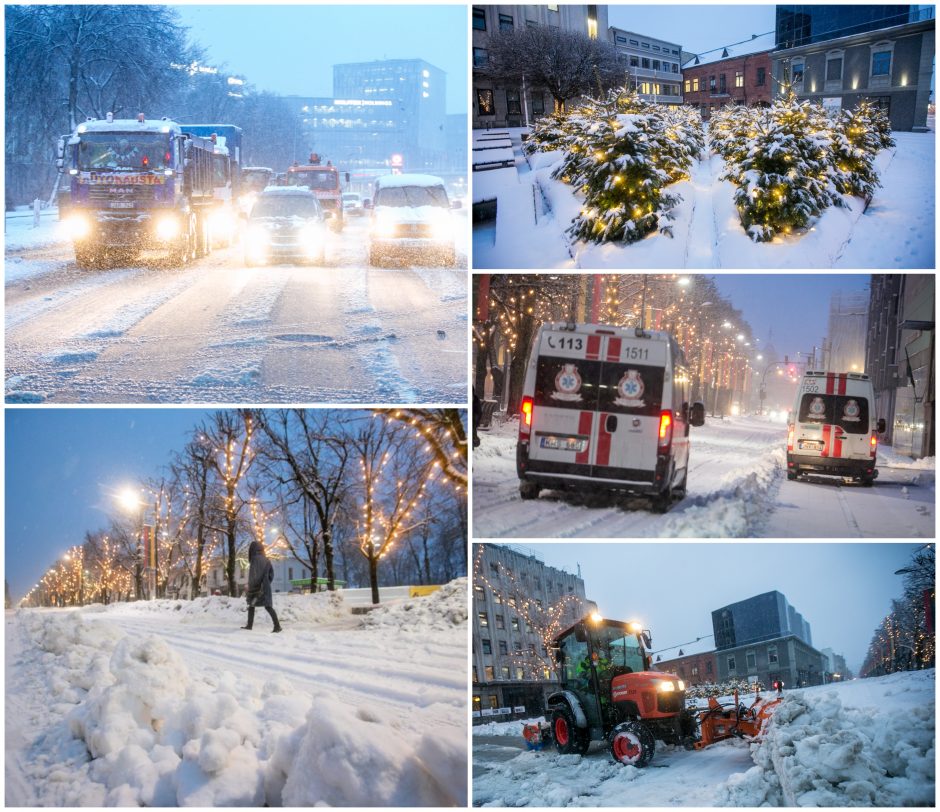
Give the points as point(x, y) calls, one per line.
point(608, 692)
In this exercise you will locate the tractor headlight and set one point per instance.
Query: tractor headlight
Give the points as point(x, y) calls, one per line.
point(681, 685)
point(76, 226)
point(167, 228)
point(665, 686)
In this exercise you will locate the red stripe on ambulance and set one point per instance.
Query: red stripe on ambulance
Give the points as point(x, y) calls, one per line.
point(593, 348)
point(837, 441)
point(613, 349)
point(830, 381)
point(827, 433)
point(584, 428)
point(603, 441)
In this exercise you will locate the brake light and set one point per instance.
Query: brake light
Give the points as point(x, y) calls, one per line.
point(873, 445)
point(665, 429)
point(525, 424)
point(790, 432)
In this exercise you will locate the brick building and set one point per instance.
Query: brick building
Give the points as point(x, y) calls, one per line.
point(744, 79)
point(693, 669)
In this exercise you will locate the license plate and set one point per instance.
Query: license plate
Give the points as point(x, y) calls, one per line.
point(122, 204)
point(810, 445)
point(563, 444)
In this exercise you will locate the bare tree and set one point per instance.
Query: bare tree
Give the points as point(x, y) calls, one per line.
point(567, 64)
point(445, 433)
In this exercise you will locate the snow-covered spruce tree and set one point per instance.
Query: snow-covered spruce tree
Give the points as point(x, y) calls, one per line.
point(782, 171)
point(875, 119)
point(854, 146)
point(548, 133)
point(730, 127)
point(616, 160)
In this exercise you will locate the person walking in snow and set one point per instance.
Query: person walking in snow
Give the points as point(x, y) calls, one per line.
point(260, 575)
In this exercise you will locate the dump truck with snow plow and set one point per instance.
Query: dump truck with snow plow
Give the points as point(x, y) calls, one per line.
point(609, 692)
point(134, 185)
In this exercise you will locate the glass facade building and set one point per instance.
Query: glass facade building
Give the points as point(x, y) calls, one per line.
point(763, 617)
point(807, 24)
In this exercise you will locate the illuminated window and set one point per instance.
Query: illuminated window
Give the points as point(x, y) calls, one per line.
point(739, 78)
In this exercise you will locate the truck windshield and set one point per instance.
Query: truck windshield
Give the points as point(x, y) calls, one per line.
point(125, 151)
point(412, 196)
point(256, 179)
point(320, 179)
point(849, 413)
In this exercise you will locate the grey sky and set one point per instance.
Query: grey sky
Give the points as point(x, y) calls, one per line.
point(843, 590)
point(291, 50)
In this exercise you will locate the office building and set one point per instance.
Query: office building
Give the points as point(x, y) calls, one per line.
point(519, 603)
point(900, 360)
point(765, 639)
point(510, 102)
point(839, 55)
point(654, 65)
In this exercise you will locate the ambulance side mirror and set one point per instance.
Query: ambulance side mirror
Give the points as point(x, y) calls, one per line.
point(697, 414)
point(881, 427)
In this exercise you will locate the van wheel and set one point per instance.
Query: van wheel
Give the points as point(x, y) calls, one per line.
point(867, 481)
point(792, 475)
point(529, 490)
point(661, 502)
point(678, 491)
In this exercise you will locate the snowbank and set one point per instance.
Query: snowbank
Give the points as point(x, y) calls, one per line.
point(818, 752)
point(511, 729)
point(444, 608)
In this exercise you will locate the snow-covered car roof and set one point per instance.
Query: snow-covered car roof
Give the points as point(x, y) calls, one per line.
point(387, 181)
point(128, 125)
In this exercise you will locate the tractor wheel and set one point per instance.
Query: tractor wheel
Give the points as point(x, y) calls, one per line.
point(569, 738)
point(529, 490)
point(631, 743)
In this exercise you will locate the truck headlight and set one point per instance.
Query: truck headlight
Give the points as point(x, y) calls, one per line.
point(76, 226)
point(167, 228)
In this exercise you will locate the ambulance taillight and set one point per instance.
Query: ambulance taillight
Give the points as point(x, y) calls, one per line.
point(665, 429)
point(873, 446)
point(525, 423)
point(790, 432)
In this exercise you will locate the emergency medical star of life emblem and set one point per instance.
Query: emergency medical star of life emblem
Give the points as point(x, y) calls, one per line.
point(851, 412)
point(631, 389)
point(817, 408)
point(567, 384)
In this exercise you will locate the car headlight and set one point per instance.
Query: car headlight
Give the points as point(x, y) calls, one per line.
point(167, 228)
point(311, 238)
point(442, 229)
point(383, 227)
point(76, 226)
point(256, 240)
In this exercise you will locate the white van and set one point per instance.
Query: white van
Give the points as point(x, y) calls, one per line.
point(412, 219)
point(606, 408)
point(832, 428)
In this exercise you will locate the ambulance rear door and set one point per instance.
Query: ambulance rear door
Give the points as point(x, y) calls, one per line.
point(833, 419)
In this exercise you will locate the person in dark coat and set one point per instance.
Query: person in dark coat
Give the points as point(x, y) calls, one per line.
point(477, 414)
point(260, 575)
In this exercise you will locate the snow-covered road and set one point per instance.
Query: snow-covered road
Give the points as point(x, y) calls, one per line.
point(737, 488)
point(101, 692)
point(861, 743)
point(216, 331)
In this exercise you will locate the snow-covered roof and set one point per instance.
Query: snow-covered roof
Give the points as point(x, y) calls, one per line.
point(128, 125)
point(762, 42)
point(387, 181)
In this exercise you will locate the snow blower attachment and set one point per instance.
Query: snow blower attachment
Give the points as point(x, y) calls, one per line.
point(608, 693)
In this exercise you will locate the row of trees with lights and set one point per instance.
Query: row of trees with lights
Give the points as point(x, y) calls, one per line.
point(717, 342)
point(65, 63)
point(792, 160)
point(360, 497)
point(905, 638)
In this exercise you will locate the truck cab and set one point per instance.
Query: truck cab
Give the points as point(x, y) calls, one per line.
point(324, 182)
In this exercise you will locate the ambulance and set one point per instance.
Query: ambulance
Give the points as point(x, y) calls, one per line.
point(606, 409)
point(832, 428)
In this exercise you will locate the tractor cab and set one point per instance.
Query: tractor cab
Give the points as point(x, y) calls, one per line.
point(608, 692)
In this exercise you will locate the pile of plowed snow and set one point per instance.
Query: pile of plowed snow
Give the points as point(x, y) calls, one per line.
point(824, 748)
point(443, 609)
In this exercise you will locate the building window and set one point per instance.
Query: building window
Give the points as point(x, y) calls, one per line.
point(694, 670)
point(708, 667)
point(761, 76)
point(538, 104)
point(655, 64)
point(504, 672)
point(500, 622)
point(478, 593)
point(479, 23)
point(621, 39)
point(512, 598)
point(517, 647)
point(494, 568)
point(722, 87)
point(485, 103)
point(739, 78)
point(797, 74)
point(645, 63)
point(520, 675)
point(592, 22)
point(484, 618)
point(497, 599)
point(494, 701)
point(688, 85)
point(772, 655)
point(881, 63)
point(711, 84)
point(503, 648)
point(731, 664)
point(751, 658)
point(834, 69)
point(646, 45)
point(515, 624)
point(634, 61)
point(486, 645)
point(480, 57)
point(505, 22)
point(488, 673)
point(635, 43)
point(695, 84)
point(513, 108)
point(675, 67)
point(531, 648)
point(475, 681)
point(655, 47)
point(477, 702)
